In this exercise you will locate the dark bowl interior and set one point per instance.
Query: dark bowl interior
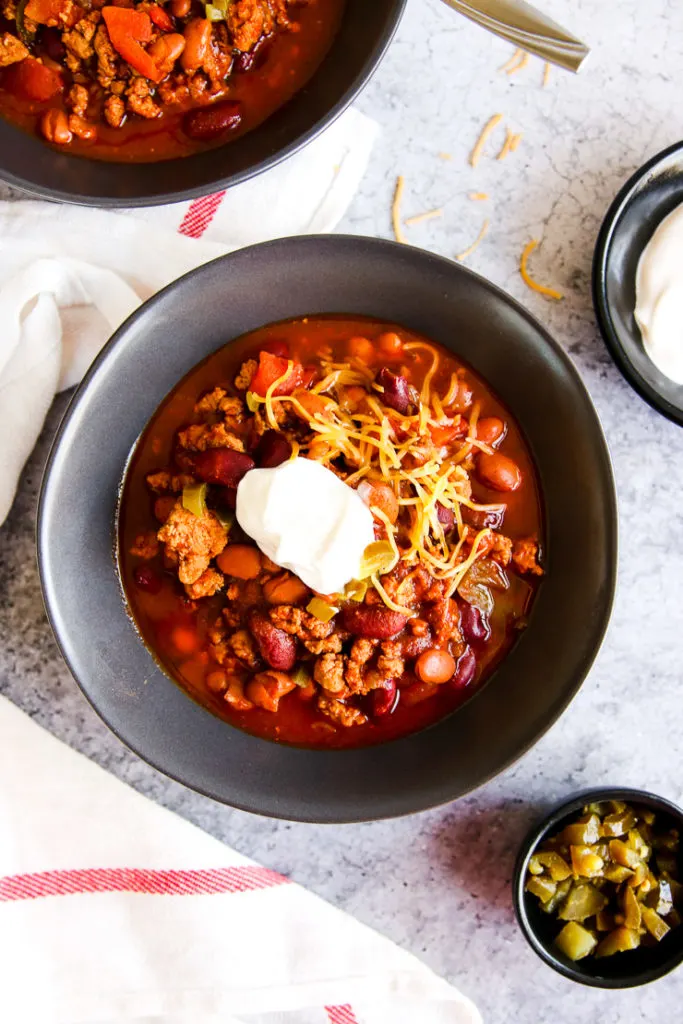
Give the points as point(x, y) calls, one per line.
point(643, 203)
point(153, 350)
point(364, 35)
point(624, 970)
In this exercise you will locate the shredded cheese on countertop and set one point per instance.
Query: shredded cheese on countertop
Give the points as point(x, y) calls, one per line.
point(444, 156)
point(515, 141)
point(418, 218)
point(522, 62)
point(507, 145)
point(512, 61)
point(542, 289)
point(479, 195)
point(546, 73)
point(489, 127)
point(476, 243)
point(396, 211)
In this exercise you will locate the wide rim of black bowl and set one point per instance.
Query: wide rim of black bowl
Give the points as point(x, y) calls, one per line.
point(109, 198)
point(601, 302)
point(297, 277)
point(548, 824)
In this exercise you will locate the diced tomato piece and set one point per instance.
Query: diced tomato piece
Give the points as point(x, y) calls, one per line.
point(46, 11)
point(31, 80)
point(127, 30)
point(270, 369)
point(446, 433)
point(161, 18)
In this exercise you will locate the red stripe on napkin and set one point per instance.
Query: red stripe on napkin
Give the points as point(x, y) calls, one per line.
point(341, 1014)
point(138, 880)
point(199, 215)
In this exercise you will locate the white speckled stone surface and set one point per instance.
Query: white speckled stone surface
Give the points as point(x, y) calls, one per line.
point(438, 883)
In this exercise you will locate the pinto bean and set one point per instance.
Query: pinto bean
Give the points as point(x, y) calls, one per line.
point(372, 621)
point(267, 689)
point(240, 560)
point(276, 647)
point(361, 348)
point(197, 35)
point(390, 344)
point(377, 494)
point(165, 51)
point(285, 589)
point(384, 699)
point(490, 430)
point(396, 393)
point(499, 472)
point(221, 466)
point(464, 673)
point(180, 8)
point(209, 122)
point(54, 126)
point(272, 450)
point(216, 681)
point(435, 666)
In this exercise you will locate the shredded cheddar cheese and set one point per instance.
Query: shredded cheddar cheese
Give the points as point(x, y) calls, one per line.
point(507, 145)
point(542, 289)
point(444, 156)
point(396, 211)
point(478, 196)
point(490, 126)
point(418, 218)
point(512, 61)
point(546, 73)
point(476, 243)
point(379, 443)
point(522, 61)
point(515, 141)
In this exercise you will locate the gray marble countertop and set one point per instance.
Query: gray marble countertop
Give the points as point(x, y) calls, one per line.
point(438, 883)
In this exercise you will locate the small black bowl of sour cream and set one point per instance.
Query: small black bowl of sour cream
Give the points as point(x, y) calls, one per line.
point(638, 282)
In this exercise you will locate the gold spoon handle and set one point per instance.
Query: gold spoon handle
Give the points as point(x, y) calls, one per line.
point(524, 26)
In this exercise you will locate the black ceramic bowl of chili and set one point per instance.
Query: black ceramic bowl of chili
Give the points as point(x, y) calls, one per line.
point(420, 294)
point(160, 102)
point(628, 969)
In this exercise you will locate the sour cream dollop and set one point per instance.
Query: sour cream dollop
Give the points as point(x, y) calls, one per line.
point(306, 519)
point(659, 296)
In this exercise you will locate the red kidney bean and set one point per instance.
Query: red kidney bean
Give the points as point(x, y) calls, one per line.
point(464, 673)
point(254, 58)
point(50, 43)
point(147, 579)
point(272, 450)
point(446, 517)
point(474, 624)
point(396, 390)
point(372, 621)
point(276, 647)
point(384, 699)
point(277, 347)
point(221, 466)
point(209, 122)
point(493, 520)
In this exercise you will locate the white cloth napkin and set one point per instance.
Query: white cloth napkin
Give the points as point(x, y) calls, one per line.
point(114, 910)
point(69, 275)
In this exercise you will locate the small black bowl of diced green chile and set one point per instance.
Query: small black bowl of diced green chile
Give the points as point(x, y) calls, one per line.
point(598, 888)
